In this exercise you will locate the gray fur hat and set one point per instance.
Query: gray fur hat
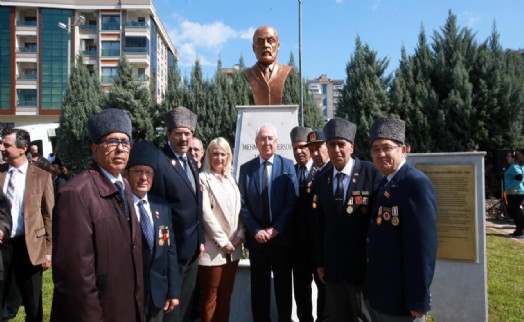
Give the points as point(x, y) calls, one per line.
point(299, 133)
point(143, 153)
point(340, 128)
point(107, 121)
point(388, 129)
point(181, 117)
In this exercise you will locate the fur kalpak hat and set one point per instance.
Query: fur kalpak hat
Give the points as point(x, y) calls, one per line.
point(388, 129)
point(299, 133)
point(340, 128)
point(181, 117)
point(107, 121)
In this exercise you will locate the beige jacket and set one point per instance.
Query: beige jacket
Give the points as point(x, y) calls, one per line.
point(219, 228)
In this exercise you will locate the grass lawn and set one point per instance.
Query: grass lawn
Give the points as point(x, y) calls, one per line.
point(505, 280)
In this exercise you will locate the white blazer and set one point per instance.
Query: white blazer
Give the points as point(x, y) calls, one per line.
point(219, 228)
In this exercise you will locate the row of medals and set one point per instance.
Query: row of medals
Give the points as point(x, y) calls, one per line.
point(388, 214)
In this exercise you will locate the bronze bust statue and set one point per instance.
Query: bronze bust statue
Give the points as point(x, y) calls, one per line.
point(267, 76)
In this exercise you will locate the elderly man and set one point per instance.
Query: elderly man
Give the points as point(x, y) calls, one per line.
point(302, 259)
point(342, 206)
point(268, 188)
point(161, 280)
point(176, 180)
point(97, 241)
point(30, 191)
point(402, 245)
point(197, 151)
point(267, 77)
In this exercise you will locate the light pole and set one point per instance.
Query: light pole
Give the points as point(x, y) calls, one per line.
point(79, 22)
point(300, 61)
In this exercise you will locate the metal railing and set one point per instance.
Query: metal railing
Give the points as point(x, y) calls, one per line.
point(26, 76)
point(110, 26)
point(107, 79)
point(136, 49)
point(26, 49)
point(141, 24)
point(26, 102)
point(88, 27)
point(91, 52)
point(28, 23)
point(141, 77)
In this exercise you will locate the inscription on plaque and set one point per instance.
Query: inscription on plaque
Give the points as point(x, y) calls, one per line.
point(456, 210)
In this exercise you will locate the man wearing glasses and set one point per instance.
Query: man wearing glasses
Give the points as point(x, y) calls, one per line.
point(97, 241)
point(402, 237)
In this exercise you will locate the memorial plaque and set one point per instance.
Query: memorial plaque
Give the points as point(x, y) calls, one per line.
point(456, 209)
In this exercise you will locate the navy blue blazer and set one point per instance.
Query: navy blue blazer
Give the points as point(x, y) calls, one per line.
point(283, 198)
point(341, 246)
point(161, 280)
point(172, 184)
point(402, 252)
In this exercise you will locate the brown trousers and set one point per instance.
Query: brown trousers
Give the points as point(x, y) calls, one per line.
point(216, 285)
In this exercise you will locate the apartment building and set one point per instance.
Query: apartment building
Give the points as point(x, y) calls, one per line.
point(327, 93)
point(40, 40)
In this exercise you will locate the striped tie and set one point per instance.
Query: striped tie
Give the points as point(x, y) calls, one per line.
point(11, 184)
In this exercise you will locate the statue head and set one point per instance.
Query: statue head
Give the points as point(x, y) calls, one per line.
point(266, 45)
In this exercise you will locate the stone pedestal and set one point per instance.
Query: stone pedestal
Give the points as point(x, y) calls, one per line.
point(250, 118)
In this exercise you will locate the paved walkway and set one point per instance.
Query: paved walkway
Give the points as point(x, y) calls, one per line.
point(503, 226)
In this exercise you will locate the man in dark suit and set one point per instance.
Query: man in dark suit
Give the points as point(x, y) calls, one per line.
point(97, 241)
point(269, 191)
point(176, 180)
point(267, 77)
point(302, 257)
point(5, 234)
point(316, 144)
point(342, 206)
point(161, 281)
point(402, 245)
point(30, 191)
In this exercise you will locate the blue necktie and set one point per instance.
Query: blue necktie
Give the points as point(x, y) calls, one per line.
point(120, 187)
point(147, 229)
point(188, 172)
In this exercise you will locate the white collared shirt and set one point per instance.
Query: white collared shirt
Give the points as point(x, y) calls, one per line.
point(391, 175)
point(348, 168)
point(113, 178)
point(17, 204)
point(147, 207)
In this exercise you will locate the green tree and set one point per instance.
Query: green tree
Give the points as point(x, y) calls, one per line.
point(82, 99)
point(133, 96)
point(198, 101)
point(364, 97)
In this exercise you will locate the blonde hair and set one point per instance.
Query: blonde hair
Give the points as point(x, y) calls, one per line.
point(224, 145)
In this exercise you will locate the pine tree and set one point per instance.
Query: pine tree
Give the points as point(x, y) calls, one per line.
point(82, 100)
point(134, 97)
point(198, 101)
point(364, 96)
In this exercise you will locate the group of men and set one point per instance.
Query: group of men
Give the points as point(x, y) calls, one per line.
point(364, 232)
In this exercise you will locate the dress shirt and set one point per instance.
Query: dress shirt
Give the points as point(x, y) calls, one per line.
point(147, 207)
point(269, 172)
point(348, 168)
point(17, 204)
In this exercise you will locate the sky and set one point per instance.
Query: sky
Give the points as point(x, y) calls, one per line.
point(213, 29)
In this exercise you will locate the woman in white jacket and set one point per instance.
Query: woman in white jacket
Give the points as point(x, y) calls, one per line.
point(224, 233)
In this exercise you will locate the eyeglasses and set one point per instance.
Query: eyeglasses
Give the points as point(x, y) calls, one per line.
point(114, 143)
point(387, 149)
point(148, 173)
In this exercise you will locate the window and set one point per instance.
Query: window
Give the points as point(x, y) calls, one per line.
point(324, 88)
point(110, 22)
point(136, 45)
point(110, 48)
point(108, 74)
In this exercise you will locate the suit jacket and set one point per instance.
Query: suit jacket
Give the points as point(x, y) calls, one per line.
point(172, 184)
point(220, 227)
point(402, 256)
point(283, 198)
point(5, 226)
point(97, 253)
point(341, 249)
point(267, 92)
point(39, 200)
point(161, 279)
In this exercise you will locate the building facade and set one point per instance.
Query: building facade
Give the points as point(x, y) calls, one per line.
point(40, 40)
point(327, 93)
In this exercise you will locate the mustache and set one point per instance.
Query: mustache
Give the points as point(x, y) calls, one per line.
point(182, 143)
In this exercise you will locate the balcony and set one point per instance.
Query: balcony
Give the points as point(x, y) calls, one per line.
point(26, 50)
point(141, 77)
point(26, 76)
point(110, 27)
point(27, 102)
point(90, 52)
point(107, 79)
point(110, 53)
point(136, 50)
point(26, 23)
point(89, 27)
point(136, 24)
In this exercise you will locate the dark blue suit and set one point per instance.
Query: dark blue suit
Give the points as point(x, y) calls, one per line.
point(161, 280)
point(171, 183)
point(273, 255)
point(341, 247)
point(402, 251)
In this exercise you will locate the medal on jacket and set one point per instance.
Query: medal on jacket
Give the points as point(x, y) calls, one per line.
point(314, 203)
point(349, 208)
